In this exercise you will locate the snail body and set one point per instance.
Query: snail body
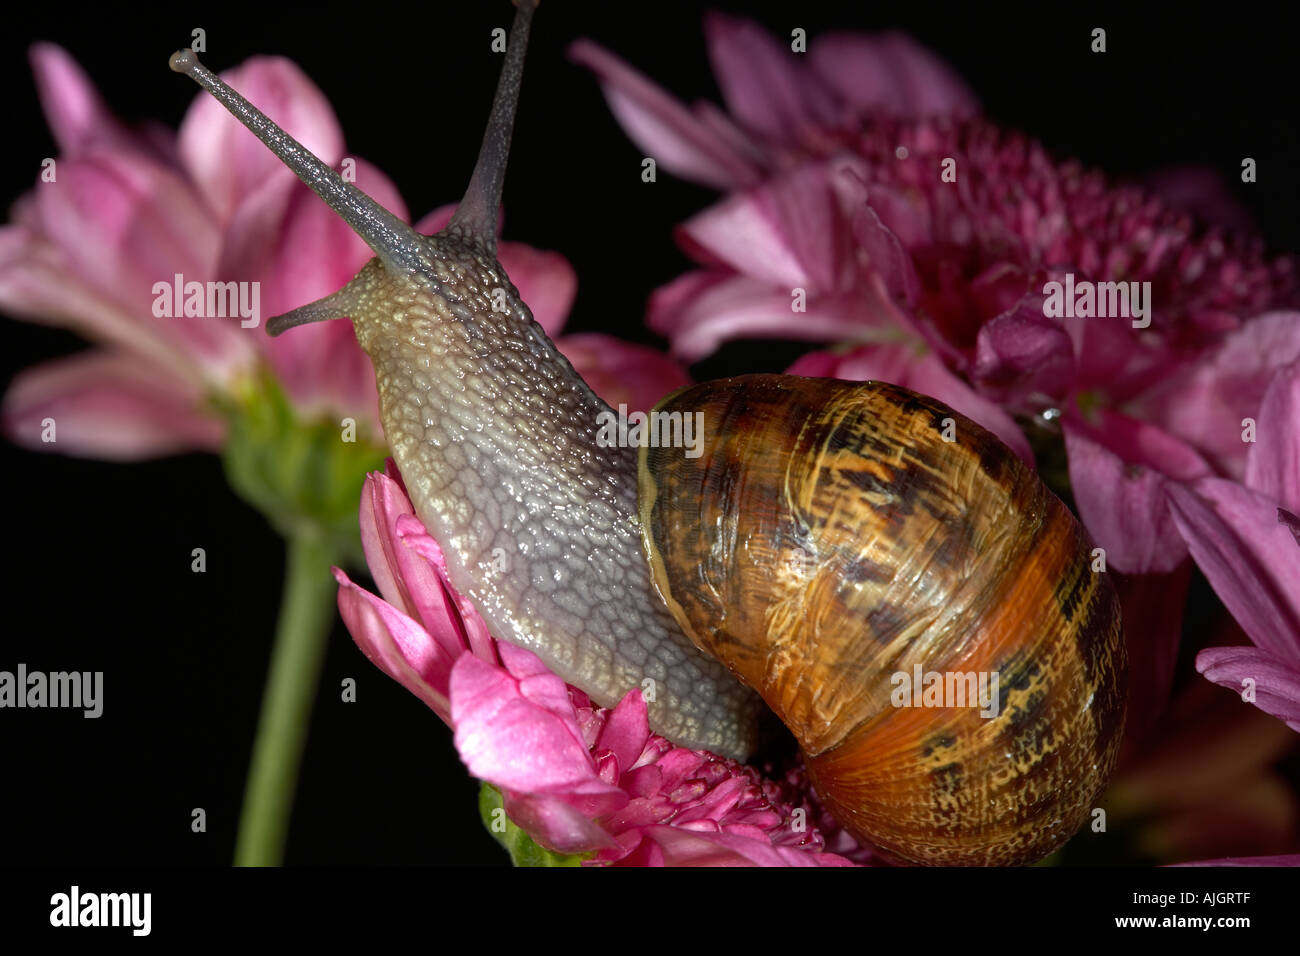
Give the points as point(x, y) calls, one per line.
point(827, 538)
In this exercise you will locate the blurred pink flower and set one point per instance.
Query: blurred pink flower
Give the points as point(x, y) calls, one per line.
point(838, 226)
point(129, 209)
point(1246, 538)
point(576, 777)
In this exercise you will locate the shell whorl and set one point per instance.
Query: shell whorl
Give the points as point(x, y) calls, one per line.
point(829, 538)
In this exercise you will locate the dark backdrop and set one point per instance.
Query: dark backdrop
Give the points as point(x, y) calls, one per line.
point(96, 573)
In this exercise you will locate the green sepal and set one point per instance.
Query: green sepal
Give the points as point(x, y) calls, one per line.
point(299, 473)
point(523, 849)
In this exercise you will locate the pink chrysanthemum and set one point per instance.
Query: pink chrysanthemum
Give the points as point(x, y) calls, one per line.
point(869, 205)
point(579, 779)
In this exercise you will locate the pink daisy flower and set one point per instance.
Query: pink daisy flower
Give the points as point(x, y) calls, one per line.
point(577, 778)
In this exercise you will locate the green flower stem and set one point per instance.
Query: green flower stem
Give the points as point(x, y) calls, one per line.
point(306, 617)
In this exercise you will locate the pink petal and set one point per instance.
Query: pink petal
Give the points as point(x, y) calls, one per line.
point(1022, 353)
point(1120, 471)
point(886, 257)
point(226, 161)
point(109, 405)
point(699, 311)
point(473, 630)
point(398, 646)
point(73, 107)
point(1207, 405)
point(124, 223)
point(1114, 358)
point(626, 730)
point(786, 232)
point(312, 252)
point(1250, 557)
point(556, 824)
point(410, 579)
point(36, 282)
point(1276, 684)
point(1292, 859)
point(687, 145)
point(921, 371)
point(766, 88)
point(1273, 462)
point(511, 732)
point(686, 848)
point(890, 73)
point(620, 372)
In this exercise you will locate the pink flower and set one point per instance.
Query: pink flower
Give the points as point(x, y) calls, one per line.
point(840, 226)
point(128, 210)
point(576, 777)
point(1246, 538)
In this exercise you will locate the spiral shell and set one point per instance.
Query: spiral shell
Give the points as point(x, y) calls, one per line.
point(828, 538)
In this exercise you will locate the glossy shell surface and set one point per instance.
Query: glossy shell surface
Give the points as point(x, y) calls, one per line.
point(828, 538)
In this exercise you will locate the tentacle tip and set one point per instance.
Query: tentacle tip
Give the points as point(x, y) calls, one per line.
point(183, 61)
point(278, 325)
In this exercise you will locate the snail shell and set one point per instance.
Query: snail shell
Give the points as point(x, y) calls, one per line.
point(826, 538)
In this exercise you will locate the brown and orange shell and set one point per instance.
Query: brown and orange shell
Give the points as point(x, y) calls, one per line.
point(827, 538)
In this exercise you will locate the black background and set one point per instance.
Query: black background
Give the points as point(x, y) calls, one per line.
point(97, 556)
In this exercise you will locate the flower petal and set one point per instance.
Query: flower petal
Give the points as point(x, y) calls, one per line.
point(108, 405)
point(1120, 471)
point(555, 824)
point(1207, 405)
point(621, 372)
point(511, 730)
point(766, 88)
point(786, 232)
point(410, 578)
point(1250, 557)
point(690, 848)
point(226, 161)
point(1022, 353)
point(1273, 462)
point(890, 73)
point(303, 254)
point(698, 311)
point(1285, 859)
point(1276, 683)
point(397, 645)
point(683, 143)
point(73, 107)
point(37, 283)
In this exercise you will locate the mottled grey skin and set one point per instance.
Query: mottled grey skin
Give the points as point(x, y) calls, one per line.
point(494, 434)
point(495, 437)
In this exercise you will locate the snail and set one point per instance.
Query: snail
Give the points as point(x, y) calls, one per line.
point(826, 538)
